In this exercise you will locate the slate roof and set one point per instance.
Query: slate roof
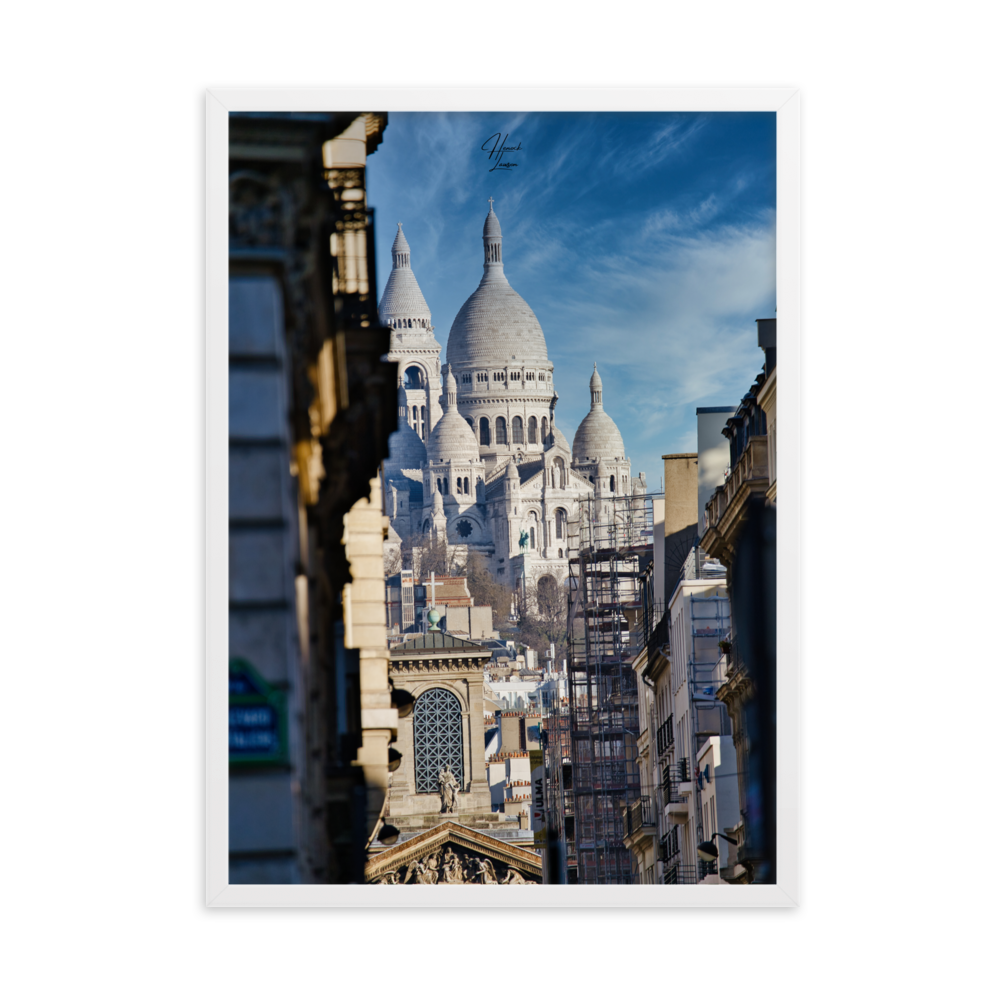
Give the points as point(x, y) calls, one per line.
point(438, 640)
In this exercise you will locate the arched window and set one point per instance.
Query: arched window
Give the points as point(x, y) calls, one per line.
point(416, 423)
point(531, 530)
point(532, 430)
point(517, 430)
point(560, 523)
point(439, 485)
point(437, 739)
point(423, 422)
point(484, 430)
point(467, 484)
point(545, 430)
point(560, 554)
point(445, 481)
point(612, 484)
point(414, 378)
point(559, 469)
point(501, 430)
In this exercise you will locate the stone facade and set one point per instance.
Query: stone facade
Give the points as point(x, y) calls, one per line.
point(436, 661)
point(452, 854)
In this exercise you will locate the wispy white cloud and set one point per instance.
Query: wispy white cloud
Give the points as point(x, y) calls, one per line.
point(631, 251)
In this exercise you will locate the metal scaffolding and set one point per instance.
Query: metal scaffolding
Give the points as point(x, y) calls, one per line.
point(610, 546)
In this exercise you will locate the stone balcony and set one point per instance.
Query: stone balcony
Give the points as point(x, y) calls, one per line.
point(726, 510)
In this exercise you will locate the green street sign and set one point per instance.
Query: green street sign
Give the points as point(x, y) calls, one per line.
point(258, 718)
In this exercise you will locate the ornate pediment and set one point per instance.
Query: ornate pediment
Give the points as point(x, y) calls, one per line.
point(451, 854)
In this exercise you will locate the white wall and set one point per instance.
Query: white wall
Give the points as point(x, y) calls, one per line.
point(713, 453)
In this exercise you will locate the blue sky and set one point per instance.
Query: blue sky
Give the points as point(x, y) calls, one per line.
point(643, 241)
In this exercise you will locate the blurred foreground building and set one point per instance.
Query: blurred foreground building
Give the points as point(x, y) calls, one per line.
point(741, 533)
point(312, 406)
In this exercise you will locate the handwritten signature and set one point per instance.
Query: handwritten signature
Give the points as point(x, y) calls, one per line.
point(499, 150)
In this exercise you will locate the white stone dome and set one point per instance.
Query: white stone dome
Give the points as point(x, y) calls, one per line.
point(495, 325)
point(597, 436)
point(406, 450)
point(452, 439)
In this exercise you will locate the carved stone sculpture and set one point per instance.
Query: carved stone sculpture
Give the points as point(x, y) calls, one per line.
point(484, 871)
point(448, 784)
point(454, 873)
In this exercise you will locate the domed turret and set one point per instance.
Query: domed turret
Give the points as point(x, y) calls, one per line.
point(597, 436)
point(406, 450)
point(403, 306)
point(452, 439)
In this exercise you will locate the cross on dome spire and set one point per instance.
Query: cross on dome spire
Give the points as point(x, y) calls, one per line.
point(490, 200)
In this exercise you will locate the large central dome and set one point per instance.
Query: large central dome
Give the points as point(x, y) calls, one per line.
point(495, 324)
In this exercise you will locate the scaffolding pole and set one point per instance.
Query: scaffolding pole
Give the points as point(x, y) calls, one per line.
point(610, 546)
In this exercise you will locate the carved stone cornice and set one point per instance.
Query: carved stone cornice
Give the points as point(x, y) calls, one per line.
point(484, 401)
point(736, 691)
point(438, 665)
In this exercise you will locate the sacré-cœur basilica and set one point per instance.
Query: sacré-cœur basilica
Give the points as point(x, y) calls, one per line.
point(478, 458)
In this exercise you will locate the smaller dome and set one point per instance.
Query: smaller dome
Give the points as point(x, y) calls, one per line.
point(452, 440)
point(406, 450)
point(597, 437)
point(595, 380)
point(602, 468)
point(491, 227)
point(512, 471)
point(437, 503)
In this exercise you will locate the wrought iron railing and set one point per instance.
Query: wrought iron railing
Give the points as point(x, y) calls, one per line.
point(665, 736)
point(670, 845)
point(638, 815)
point(681, 875)
point(673, 776)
